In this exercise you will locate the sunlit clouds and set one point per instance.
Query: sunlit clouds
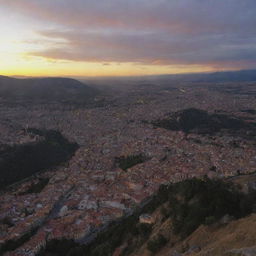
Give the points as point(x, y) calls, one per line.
point(117, 37)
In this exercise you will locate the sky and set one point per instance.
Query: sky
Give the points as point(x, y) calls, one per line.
point(126, 37)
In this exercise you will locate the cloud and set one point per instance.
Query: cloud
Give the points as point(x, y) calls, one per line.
point(156, 32)
point(176, 15)
point(149, 48)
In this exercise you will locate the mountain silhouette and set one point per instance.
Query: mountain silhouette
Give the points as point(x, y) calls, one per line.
point(45, 89)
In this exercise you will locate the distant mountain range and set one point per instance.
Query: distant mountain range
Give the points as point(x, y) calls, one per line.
point(45, 89)
point(225, 76)
point(74, 91)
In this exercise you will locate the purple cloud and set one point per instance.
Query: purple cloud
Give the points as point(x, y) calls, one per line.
point(210, 32)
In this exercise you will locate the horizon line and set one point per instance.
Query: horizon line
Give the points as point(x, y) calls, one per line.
point(127, 76)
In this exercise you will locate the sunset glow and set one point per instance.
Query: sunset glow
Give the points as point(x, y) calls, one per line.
point(117, 38)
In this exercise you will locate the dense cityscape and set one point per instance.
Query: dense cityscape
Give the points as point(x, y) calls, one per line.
point(82, 196)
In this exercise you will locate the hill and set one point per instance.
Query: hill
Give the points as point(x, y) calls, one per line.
point(47, 149)
point(171, 224)
point(45, 90)
point(247, 75)
point(228, 76)
point(198, 121)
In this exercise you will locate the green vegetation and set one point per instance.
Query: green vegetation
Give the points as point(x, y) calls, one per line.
point(194, 120)
point(154, 245)
point(60, 247)
point(20, 161)
point(195, 202)
point(36, 187)
point(6, 221)
point(129, 161)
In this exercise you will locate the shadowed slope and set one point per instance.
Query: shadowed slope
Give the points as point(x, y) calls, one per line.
point(45, 89)
point(199, 121)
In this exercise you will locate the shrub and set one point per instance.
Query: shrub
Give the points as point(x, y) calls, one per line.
point(129, 161)
point(197, 202)
point(209, 220)
point(156, 244)
point(23, 160)
point(36, 187)
point(144, 229)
